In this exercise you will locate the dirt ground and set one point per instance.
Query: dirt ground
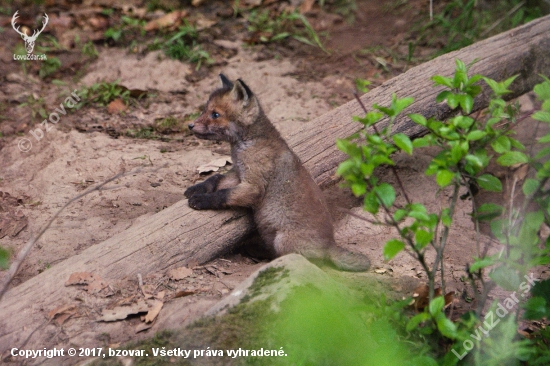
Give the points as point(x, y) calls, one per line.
point(295, 83)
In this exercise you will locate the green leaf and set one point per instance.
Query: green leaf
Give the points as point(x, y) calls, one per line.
point(467, 104)
point(501, 145)
point(359, 188)
point(4, 258)
point(506, 277)
point(399, 215)
point(543, 116)
point(489, 183)
point(481, 263)
point(512, 158)
point(476, 135)
point(488, 211)
point(452, 100)
point(423, 141)
point(422, 237)
point(413, 323)
point(530, 186)
point(446, 326)
point(386, 194)
point(442, 80)
point(371, 203)
point(544, 139)
point(393, 247)
point(418, 119)
point(403, 142)
point(401, 104)
point(446, 219)
point(535, 308)
point(444, 177)
point(436, 305)
point(463, 121)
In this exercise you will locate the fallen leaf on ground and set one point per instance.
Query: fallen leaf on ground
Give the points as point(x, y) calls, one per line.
point(214, 165)
point(170, 19)
point(116, 106)
point(60, 310)
point(306, 6)
point(154, 311)
point(94, 283)
point(122, 312)
point(180, 273)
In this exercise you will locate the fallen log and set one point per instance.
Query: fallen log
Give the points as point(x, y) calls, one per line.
point(176, 235)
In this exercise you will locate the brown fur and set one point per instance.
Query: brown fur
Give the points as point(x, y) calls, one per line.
point(289, 209)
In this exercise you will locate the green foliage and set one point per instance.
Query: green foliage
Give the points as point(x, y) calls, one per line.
point(120, 32)
point(4, 258)
point(266, 28)
point(89, 50)
point(49, 66)
point(36, 105)
point(463, 22)
point(467, 145)
point(183, 46)
point(102, 94)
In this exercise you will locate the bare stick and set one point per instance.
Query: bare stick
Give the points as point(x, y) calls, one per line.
point(27, 248)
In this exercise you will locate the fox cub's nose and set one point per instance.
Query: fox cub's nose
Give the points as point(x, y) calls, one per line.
point(191, 125)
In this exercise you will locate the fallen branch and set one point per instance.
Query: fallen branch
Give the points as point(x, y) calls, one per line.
point(179, 235)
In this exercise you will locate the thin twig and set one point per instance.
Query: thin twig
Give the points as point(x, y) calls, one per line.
point(27, 248)
point(351, 213)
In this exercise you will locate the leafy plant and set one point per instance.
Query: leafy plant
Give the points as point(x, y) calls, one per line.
point(102, 93)
point(268, 29)
point(4, 258)
point(467, 144)
point(49, 66)
point(183, 46)
point(89, 50)
point(463, 22)
point(36, 105)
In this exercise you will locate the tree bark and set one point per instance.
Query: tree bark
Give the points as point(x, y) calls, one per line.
point(175, 236)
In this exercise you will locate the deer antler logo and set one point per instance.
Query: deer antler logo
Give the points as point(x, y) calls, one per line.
point(29, 41)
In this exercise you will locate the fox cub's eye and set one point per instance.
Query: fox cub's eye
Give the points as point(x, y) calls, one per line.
point(215, 115)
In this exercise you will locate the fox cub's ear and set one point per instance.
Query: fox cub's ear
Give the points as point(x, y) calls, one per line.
point(226, 83)
point(241, 92)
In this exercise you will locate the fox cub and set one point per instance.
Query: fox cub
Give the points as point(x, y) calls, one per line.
point(289, 210)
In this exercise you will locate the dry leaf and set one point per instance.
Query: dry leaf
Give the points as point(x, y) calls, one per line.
point(170, 19)
point(160, 295)
point(122, 312)
point(62, 313)
point(214, 165)
point(154, 311)
point(94, 282)
point(306, 6)
point(116, 106)
point(80, 278)
point(60, 310)
point(180, 273)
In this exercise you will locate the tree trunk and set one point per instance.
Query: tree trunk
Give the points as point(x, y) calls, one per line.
point(175, 236)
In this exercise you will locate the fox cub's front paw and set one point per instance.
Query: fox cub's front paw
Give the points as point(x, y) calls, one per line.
point(209, 201)
point(200, 201)
point(196, 189)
